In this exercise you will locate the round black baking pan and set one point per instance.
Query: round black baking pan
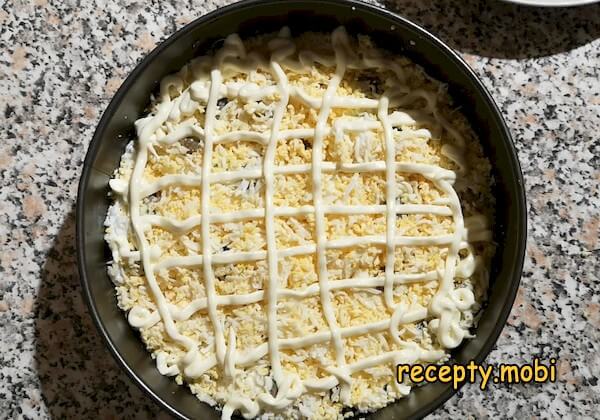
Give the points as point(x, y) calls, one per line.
point(248, 18)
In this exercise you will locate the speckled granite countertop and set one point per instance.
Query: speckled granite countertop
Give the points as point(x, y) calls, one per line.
point(61, 62)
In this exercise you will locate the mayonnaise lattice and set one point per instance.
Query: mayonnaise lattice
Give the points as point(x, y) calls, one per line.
point(444, 310)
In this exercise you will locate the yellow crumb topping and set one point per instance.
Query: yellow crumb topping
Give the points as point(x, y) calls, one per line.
point(299, 317)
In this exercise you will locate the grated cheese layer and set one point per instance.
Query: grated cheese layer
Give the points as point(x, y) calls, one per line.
point(297, 216)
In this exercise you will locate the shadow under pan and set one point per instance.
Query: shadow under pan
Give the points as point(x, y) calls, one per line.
point(249, 18)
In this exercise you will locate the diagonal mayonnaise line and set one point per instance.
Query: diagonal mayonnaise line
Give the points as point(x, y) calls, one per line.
point(390, 191)
point(209, 278)
point(269, 213)
point(447, 302)
point(248, 357)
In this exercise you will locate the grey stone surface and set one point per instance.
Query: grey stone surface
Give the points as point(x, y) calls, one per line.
point(61, 62)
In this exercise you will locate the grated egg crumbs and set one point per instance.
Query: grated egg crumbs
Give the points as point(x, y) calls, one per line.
point(296, 212)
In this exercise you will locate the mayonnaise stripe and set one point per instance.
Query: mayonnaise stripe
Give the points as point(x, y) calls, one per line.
point(209, 279)
point(146, 319)
point(320, 234)
point(272, 256)
point(428, 171)
point(183, 226)
point(232, 257)
point(444, 307)
point(253, 355)
point(390, 191)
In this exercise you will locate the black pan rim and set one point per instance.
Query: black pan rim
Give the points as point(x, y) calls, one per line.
point(360, 7)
